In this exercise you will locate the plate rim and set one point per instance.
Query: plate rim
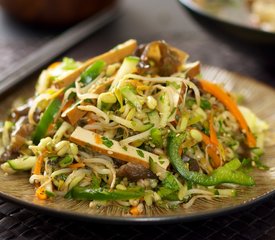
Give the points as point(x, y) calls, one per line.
point(143, 220)
point(138, 220)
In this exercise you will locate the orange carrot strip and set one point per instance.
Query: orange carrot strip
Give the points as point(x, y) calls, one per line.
point(77, 165)
point(212, 150)
point(230, 104)
point(134, 211)
point(40, 193)
point(38, 164)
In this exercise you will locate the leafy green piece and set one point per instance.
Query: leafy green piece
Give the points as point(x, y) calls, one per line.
point(169, 187)
point(170, 182)
point(140, 153)
point(205, 104)
point(107, 142)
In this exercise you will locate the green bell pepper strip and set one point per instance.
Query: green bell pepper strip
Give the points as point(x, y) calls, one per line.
point(92, 72)
point(46, 119)
point(90, 193)
point(225, 174)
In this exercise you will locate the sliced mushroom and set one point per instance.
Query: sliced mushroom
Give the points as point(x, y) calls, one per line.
point(160, 58)
point(134, 172)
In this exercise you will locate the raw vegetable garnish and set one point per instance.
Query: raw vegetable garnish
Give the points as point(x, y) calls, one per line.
point(136, 126)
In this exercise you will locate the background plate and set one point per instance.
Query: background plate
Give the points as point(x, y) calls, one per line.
point(231, 17)
point(259, 97)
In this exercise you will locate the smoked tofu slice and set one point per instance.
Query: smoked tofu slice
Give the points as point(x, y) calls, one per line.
point(74, 114)
point(113, 149)
point(114, 55)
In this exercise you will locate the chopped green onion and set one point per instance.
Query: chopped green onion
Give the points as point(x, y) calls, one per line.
point(107, 142)
point(66, 161)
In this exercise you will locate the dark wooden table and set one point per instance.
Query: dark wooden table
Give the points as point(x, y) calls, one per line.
point(147, 21)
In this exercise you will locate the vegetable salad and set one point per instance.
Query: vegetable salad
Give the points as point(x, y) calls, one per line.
point(136, 126)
